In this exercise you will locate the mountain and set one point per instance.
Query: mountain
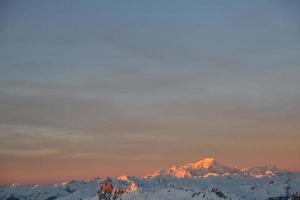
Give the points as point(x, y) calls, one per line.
point(203, 168)
point(204, 179)
point(210, 167)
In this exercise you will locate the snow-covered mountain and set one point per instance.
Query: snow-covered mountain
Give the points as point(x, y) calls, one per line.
point(203, 168)
point(205, 179)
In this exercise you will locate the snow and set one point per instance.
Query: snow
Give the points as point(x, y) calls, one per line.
point(205, 179)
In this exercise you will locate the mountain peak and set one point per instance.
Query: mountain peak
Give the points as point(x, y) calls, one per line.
point(210, 167)
point(202, 168)
point(205, 163)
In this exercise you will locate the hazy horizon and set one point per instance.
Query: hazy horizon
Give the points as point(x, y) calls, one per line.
point(105, 88)
point(105, 176)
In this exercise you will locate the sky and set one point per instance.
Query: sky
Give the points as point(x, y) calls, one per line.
point(105, 88)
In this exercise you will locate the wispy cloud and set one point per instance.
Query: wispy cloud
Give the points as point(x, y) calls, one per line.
point(29, 153)
point(43, 132)
point(109, 156)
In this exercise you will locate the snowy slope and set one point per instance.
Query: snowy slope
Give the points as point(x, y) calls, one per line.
point(205, 179)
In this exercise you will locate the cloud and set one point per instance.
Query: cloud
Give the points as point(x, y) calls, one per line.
point(29, 153)
point(42, 132)
point(109, 156)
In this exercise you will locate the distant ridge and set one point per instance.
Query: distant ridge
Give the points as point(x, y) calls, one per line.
point(205, 179)
point(210, 167)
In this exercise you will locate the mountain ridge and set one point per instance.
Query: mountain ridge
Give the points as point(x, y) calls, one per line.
point(211, 167)
point(200, 180)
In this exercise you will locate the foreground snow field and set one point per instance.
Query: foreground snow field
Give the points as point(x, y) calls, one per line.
point(205, 179)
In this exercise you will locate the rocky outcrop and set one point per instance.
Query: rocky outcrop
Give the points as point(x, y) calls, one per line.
point(108, 192)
